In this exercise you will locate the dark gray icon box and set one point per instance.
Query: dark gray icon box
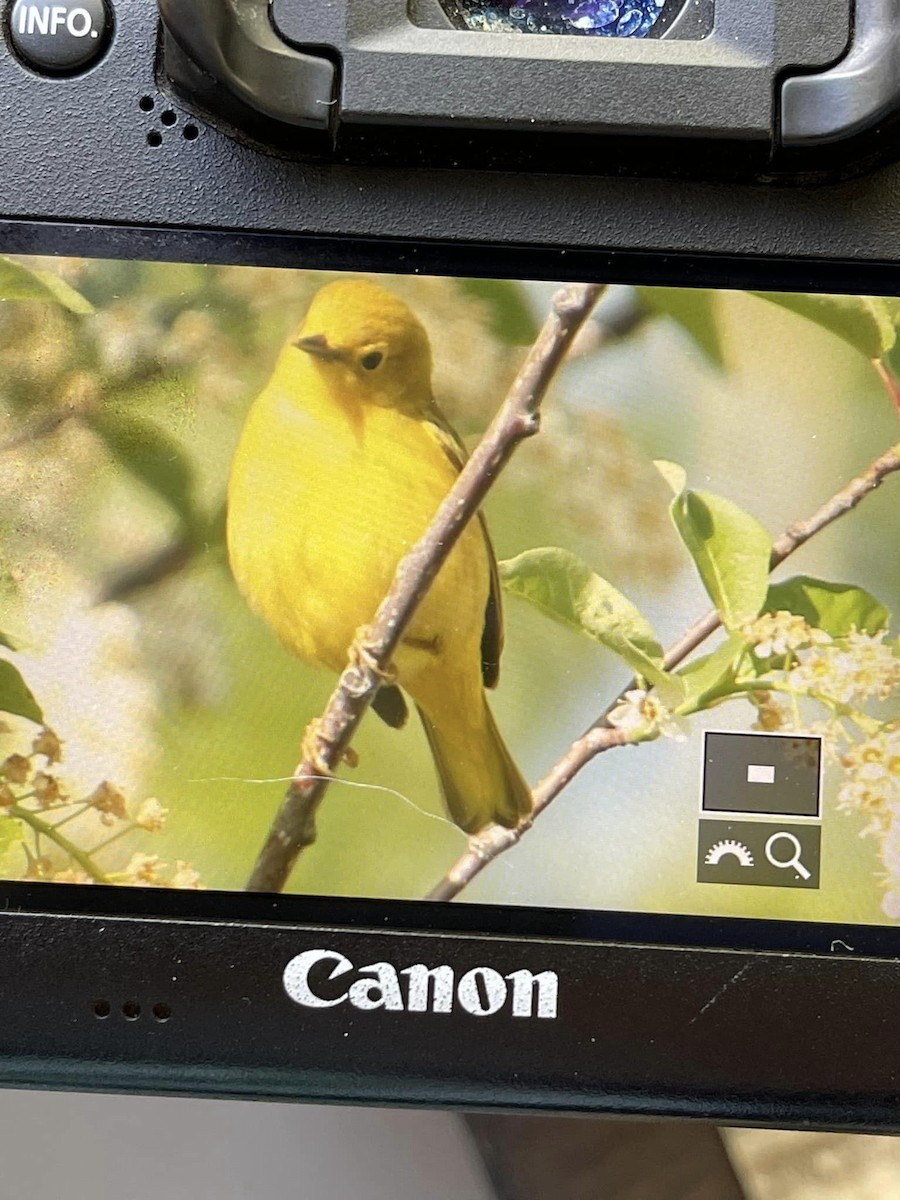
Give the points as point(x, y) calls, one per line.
point(759, 853)
point(778, 774)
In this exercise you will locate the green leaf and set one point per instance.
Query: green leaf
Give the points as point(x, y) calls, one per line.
point(23, 283)
point(563, 587)
point(694, 310)
point(868, 323)
point(711, 677)
point(730, 548)
point(835, 607)
point(511, 319)
point(15, 695)
point(674, 475)
point(6, 641)
point(152, 457)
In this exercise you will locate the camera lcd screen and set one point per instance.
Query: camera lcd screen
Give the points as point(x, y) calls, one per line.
point(210, 473)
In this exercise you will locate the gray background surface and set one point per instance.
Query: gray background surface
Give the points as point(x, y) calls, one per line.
point(86, 1147)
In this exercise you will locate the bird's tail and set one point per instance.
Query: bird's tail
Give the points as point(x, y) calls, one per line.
point(480, 782)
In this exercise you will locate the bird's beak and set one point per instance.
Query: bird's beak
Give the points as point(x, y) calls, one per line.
point(318, 346)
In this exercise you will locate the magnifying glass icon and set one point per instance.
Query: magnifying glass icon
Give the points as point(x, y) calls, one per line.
point(796, 851)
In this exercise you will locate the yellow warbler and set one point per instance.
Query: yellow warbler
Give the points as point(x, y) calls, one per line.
point(343, 461)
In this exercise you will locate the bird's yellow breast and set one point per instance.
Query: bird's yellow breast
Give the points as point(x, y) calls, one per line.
point(324, 500)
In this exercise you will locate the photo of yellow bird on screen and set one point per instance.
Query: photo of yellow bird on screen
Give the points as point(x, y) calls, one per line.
point(573, 596)
point(351, 401)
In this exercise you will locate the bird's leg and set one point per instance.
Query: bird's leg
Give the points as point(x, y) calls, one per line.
point(312, 747)
point(361, 663)
point(364, 659)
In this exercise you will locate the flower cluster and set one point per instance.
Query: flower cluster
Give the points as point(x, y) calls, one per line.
point(48, 820)
point(19, 770)
point(148, 870)
point(848, 677)
point(860, 667)
point(872, 783)
point(774, 635)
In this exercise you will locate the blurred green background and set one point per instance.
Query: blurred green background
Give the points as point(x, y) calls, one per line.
point(116, 431)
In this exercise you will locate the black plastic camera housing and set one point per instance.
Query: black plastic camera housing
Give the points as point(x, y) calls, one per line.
point(779, 87)
point(332, 135)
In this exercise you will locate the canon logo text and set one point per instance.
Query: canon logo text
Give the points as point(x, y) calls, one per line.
point(326, 979)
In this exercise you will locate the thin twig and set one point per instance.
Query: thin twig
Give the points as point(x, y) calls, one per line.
point(493, 841)
point(328, 739)
point(48, 830)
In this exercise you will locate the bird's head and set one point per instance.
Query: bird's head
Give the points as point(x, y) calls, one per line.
point(369, 342)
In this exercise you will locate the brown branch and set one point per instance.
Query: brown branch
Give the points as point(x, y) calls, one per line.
point(495, 840)
point(328, 739)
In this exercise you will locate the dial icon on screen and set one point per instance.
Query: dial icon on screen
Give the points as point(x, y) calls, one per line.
point(758, 853)
point(729, 847)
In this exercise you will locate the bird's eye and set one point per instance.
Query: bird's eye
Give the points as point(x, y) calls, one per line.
point(371, 360)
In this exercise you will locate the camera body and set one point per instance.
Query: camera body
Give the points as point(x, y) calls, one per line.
point(738, 150)
point(247, 188)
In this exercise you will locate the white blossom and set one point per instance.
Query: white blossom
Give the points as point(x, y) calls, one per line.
point(641, 715)
point(779, 633)
point(151, 815)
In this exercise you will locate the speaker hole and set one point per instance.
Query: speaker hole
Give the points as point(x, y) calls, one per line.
point(191, 133)
point(101, 1009)
point(154, 138)
point(162, 1012)
point(169, 117)
point(146, 104)
point(131, 1010)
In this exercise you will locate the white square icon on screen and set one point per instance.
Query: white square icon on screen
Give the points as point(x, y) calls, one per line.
point(759, 773)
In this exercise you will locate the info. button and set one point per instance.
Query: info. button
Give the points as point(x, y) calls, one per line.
point(61, 38)
point(776, 774)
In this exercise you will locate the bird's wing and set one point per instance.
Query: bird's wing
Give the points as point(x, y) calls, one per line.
point(492, 635)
